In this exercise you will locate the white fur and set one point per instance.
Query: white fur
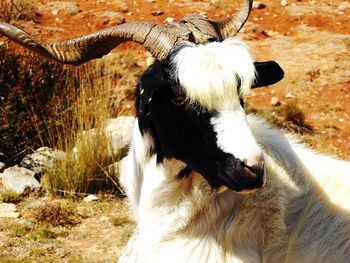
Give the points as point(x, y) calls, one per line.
point(208, 73)
point(294, 218)
point(234, 135)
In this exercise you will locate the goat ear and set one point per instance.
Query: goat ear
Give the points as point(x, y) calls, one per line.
point(267, 73)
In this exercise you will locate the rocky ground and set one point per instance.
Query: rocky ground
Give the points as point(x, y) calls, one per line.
point(309, 39)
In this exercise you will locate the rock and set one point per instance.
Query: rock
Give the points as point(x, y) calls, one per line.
point(258, 5)
point(284, 2)
point(343, 6)
point(289, 95)
point(150, 1)
point(275, 101)
point(111, 18)
point(65, 8)
point(41, 160)
point(90, 198)
point(157, 13)
point(169, 20)
point(8, 211)
point(120, 130)
point(19, 179)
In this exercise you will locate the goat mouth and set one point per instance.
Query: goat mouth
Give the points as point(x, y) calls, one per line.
point(245, 180)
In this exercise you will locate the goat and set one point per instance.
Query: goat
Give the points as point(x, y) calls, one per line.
point(205, 182)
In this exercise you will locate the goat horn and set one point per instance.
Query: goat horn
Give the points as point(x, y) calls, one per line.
point(158, 40)
point(231, 26)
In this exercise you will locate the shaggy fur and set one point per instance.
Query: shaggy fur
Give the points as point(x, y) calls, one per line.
point(210, 74)
point(300, 215)
point(297, 217)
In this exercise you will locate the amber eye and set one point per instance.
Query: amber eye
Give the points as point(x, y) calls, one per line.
point(178, 101)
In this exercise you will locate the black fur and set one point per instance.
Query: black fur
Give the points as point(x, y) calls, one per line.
point(267, 73)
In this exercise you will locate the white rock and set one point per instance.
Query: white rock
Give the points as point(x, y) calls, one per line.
point(289, 95)
point(8, 211)
point(343, 6)
point(90, 198)
point(18, 179)
point(275, 101)
point(284, 2)
point(169, 20)
point(120, 130)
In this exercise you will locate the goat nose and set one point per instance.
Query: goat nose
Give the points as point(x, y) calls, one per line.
point(255, 166)
point(255, 160)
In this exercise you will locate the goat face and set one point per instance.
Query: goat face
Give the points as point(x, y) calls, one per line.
point(191, 105)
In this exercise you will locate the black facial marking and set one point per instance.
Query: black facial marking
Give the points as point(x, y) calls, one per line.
point(184, 131)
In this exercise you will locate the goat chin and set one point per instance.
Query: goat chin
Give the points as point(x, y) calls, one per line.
point(302, 214)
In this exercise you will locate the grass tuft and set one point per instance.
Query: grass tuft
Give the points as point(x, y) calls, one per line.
point(56, 213)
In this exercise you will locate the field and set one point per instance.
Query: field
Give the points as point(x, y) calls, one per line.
point(309, 39)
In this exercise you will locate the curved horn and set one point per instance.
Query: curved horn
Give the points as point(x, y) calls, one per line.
point(231, 26)
point(158, 40)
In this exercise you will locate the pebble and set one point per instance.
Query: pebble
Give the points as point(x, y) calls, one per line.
point(275, 101)
point(284, 2)
point(290, 96)
point(90, 198)
point(258, 5)
point(157, 13)
point(169, 20)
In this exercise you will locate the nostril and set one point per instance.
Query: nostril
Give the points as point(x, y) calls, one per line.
point(257, 160)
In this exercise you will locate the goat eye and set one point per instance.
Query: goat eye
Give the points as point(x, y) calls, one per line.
point(178, 101)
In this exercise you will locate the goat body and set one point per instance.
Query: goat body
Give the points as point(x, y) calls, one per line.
point(300, 215)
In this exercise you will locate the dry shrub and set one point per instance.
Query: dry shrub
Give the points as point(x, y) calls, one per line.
point(56, 213)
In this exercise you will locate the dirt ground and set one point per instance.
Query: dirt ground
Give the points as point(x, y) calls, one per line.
point(309, 39)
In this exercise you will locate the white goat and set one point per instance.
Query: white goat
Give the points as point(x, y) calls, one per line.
point(300, 215)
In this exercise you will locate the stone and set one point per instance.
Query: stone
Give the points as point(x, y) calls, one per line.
point(275, 101)
point(258, 5)
point(8, 211)
point(157, 13)
point(19, 179)
point(64, 8)
point(284, 2)
point(120, 130)
point(289, 95)
point(41, 160)
point(344, 6)
point(90, 198)
point(169, 20)
point(111, 18)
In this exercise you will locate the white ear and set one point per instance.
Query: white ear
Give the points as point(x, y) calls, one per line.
point(209, 74)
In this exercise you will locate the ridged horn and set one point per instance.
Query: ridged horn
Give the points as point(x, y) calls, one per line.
point(158, 40)
point(232, 25)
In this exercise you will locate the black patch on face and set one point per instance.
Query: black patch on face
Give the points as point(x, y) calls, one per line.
point(184, 132)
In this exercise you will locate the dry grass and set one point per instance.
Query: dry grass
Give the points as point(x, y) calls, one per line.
point(56, 213)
